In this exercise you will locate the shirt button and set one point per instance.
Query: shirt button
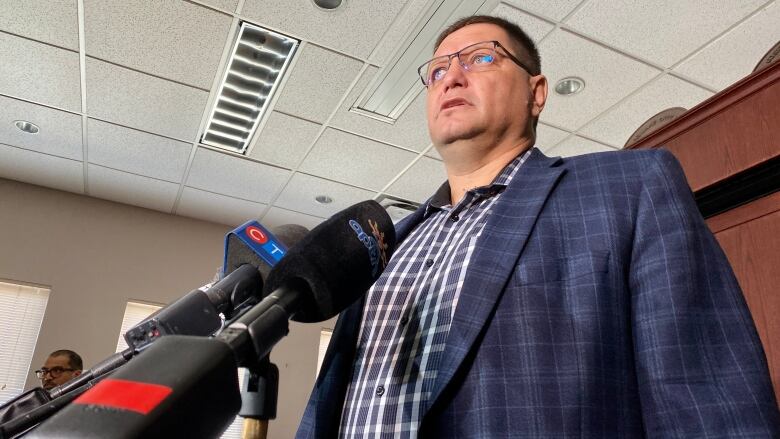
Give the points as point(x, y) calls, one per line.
point(380, 390)
point(404, 320)
point(454, 218)
point(429, 263)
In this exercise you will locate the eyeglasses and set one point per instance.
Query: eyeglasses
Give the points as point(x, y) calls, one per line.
point(55, 372)
point(474, 58)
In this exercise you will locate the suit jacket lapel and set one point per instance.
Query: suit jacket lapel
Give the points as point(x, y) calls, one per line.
point(498, 248)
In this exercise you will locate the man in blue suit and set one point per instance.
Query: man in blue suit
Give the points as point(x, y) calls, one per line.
point(542, 297)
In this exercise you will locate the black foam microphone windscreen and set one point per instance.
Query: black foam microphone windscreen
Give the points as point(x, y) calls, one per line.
point(338, 260)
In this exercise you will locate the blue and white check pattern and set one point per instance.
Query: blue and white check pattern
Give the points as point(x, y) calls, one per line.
point(408, 314)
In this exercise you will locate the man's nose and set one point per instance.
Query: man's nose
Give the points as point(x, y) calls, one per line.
point(456, 75)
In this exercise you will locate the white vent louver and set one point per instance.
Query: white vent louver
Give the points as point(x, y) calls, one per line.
point(257, 64)
point(398, 84)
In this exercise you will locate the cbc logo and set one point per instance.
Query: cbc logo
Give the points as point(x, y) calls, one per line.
point(256, 235)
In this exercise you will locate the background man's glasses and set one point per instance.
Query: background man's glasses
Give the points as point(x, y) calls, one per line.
point(55, 372)
point(473, 58)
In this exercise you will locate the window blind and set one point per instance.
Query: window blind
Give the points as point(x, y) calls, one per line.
point(21, 314)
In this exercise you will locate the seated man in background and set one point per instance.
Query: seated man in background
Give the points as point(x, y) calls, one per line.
point(61, 366)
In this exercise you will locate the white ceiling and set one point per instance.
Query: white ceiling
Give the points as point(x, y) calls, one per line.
point(120, 89)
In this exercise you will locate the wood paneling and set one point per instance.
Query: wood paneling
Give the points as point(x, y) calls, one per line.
point(726, 134)
point(752, 245)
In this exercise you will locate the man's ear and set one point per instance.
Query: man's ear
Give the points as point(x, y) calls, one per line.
point(538, 86)
point(77, 372)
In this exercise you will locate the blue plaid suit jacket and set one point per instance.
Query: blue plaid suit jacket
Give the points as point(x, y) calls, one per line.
point(597, 304)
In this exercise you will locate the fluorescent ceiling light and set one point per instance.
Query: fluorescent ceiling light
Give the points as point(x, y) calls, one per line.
point(398, 84)
point(257, 63)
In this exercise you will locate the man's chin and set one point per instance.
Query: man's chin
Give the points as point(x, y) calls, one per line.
point(455, 135)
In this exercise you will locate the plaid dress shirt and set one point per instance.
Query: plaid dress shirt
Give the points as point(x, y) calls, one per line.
point(408, 313)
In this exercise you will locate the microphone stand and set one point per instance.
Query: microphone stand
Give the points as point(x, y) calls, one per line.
point(259, 392)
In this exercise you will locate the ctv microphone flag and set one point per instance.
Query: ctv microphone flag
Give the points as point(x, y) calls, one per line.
point(260, 240)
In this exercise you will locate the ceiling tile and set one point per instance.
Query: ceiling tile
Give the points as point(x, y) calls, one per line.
point(576, 145)
point(565, 54)
point(135, 190)
point(60, 132)
point(39, 72)
point(284, 140)
point(50, 21)
point(235, 176)
point(664, 33)
point(552, 9)
point(398, 32)
point(278, 217)
point(617, 125)
point(176, 40)
point(316, 83)
point(355, 160)
point(227, 5)
point(409, 131)
point(734, 55)
point(142, 101)
point(136, 152)
point(534, 27)
point(41, 169)
point(353, 28)
point(208, 206)
point(420, 181)
point(300, 192)
point(547, 137)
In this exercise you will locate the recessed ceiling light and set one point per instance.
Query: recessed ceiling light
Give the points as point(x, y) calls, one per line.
point(323, 199)
point(27, 127)
point(328, 5)
point(569, 86)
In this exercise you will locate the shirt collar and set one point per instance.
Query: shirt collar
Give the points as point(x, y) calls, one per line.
point(441, 198)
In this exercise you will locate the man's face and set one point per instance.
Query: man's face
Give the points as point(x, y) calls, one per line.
point(49, 380)
point(493, 105)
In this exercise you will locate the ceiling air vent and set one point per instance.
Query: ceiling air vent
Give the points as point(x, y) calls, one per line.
point(257, 63)
point(398, 84)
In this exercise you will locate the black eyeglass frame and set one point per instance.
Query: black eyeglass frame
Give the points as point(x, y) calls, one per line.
point(54, 372)
point(449, 57)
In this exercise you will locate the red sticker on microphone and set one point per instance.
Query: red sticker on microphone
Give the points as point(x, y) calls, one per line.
point(256, 235)
point(125, 395)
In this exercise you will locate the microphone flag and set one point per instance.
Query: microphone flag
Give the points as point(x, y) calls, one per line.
point(261, 241)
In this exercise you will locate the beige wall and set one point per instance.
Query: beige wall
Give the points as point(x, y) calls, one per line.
point(96, 255)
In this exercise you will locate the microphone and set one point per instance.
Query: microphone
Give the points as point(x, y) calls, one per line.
point(250, 251)
point(197, 313)
point(325, 272)
point(337, 262)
